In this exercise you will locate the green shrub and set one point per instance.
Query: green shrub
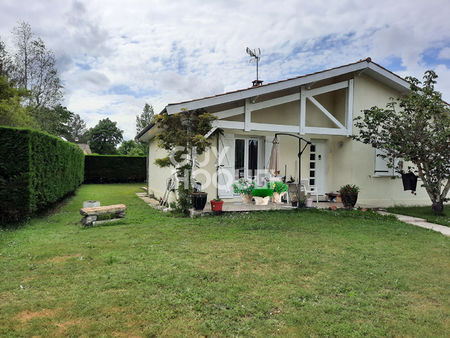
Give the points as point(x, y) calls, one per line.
point(36, 170)
point(278, 187)
point(262, 192)
point(114, 169)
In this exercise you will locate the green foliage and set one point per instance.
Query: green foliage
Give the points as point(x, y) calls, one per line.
point(163, 162)
point(36, 170)
point(12, 112)
point(183, 131)
point(55, 121)
point(132, 148)
point(278, 187)
point(243, 186)
point(104, 137)
point(145, 118)
point(262, 192)
point(416, 128)
point(76, 130)
point(349, 189)
point(114, 169)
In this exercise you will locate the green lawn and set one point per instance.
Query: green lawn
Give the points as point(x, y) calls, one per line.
point(424, 212)
point(319, 273)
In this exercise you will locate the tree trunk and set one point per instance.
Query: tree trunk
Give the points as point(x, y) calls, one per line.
point(438, 207)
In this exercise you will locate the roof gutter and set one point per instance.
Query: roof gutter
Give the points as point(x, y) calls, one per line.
point(146, 129)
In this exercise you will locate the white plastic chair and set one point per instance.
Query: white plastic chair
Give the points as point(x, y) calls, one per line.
point(308, 189)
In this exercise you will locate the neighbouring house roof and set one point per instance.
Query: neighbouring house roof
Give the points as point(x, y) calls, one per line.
point(366, 65)
point(85, 147)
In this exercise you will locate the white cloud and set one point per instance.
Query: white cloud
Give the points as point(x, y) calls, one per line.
point(169, 51)
point(444, 53)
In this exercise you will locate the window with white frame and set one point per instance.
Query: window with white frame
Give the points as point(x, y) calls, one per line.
point(381, 164)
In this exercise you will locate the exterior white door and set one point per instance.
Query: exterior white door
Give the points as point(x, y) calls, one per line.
point(225, 162)
point(318, 166)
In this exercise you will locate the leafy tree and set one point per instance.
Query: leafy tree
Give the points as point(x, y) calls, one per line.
point(145, 118)
point(180, 134)
point(415, 127)
point(12, 113)
point(76, 130)
point(35, 68)
point(54, 120)
point(6, 64)
point(104, 137)
point(132, 148)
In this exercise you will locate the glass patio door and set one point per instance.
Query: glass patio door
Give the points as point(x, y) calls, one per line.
point(246, 158)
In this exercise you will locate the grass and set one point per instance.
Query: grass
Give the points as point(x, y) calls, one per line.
point(318, 273)
point(424, 212)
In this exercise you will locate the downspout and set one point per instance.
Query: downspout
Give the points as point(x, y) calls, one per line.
point(147, 165)
point(217, 166)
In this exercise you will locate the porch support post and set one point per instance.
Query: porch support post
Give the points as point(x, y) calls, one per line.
point(302, 117)
point(349, 112)
point(248, 116)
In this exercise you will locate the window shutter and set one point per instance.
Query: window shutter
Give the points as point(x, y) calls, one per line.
point(381, 164)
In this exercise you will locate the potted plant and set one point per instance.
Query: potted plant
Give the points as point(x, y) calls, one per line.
point(294, 200)
point(279, 190)
point(199, 200)
point(245, 188)
point(216, 204)
point(349, 195)
point(309, 201)
point(302, 201)
point(262, 196)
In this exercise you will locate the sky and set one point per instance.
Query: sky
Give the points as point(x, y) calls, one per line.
point(115, 56)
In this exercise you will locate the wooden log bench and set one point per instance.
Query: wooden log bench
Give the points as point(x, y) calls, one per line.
point(90, 215)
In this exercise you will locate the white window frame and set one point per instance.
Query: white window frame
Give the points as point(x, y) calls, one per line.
point(389, 172)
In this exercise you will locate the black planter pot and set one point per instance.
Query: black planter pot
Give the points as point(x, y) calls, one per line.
point(349, 200)
point(199, 200)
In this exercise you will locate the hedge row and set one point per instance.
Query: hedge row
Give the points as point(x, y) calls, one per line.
point(36, 170)
point(114, 169)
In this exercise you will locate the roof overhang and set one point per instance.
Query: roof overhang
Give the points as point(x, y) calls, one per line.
point(367, 66)
point(147, 133)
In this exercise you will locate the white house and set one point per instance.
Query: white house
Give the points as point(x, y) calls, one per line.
point(320, 107)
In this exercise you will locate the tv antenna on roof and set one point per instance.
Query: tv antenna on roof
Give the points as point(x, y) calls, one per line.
point(255, 55)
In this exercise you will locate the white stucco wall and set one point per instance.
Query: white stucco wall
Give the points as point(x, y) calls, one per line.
point(157, 176)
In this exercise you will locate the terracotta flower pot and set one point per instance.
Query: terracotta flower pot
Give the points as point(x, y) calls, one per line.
point(246, 199)
point(276, 198)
